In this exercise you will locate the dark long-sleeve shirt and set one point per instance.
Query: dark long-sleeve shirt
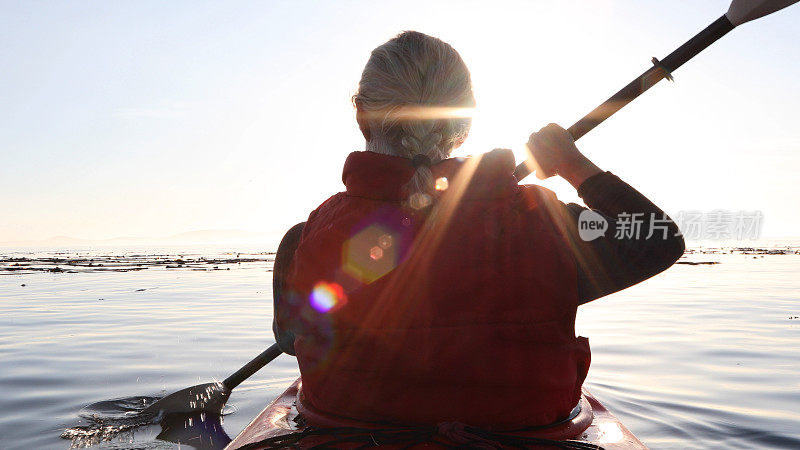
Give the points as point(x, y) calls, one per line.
point(639, 241)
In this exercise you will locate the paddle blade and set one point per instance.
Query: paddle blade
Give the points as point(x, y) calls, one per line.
point(742, 11)
point(203, 397)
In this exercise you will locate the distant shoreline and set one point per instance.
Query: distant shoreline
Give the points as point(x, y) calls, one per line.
point(188, 238)
point(22, 260)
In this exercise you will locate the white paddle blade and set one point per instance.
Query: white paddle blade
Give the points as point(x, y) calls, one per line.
point(742, 11)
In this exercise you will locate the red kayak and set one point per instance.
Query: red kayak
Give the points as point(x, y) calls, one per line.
point(281, 425)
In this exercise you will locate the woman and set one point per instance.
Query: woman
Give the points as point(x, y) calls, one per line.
point(438, 289)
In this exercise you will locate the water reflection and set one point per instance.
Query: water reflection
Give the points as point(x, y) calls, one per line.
point(202, 431)
point(703, 356)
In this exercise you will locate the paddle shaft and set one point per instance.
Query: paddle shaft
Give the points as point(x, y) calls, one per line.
point(643, 82)
point(252, 367)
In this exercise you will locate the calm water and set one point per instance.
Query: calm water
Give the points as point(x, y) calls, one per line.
point(702, 356)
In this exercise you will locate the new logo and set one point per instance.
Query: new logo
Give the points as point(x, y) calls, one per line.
point(591, 225)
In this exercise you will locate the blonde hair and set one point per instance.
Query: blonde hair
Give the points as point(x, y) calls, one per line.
point(407, 96)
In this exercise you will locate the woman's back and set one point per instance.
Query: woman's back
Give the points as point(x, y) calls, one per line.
point(438, 290)
point(476, 295)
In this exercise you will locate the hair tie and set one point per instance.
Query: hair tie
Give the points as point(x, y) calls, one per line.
point(420, 160)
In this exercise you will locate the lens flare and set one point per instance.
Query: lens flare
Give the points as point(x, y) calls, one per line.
point(420, 112)
point(376, 253)
point(371, 253)
point(327, 296)
point(385, 241)
point(442, 184)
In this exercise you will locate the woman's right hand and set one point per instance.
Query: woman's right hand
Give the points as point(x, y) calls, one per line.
point(554, 153)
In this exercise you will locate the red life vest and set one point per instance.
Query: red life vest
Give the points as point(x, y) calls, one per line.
point(462, 313)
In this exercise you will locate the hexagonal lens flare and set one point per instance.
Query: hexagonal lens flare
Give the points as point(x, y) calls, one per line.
point(370, 253)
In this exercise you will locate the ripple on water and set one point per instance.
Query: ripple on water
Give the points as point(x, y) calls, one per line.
point(117, 419)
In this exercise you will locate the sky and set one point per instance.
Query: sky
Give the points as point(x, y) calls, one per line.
point(153, 118)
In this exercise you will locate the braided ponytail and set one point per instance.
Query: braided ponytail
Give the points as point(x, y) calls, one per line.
point(406, 98)
point(421, 138)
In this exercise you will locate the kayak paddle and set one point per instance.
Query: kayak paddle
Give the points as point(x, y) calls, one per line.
point(740, 11)
point(211, 397)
